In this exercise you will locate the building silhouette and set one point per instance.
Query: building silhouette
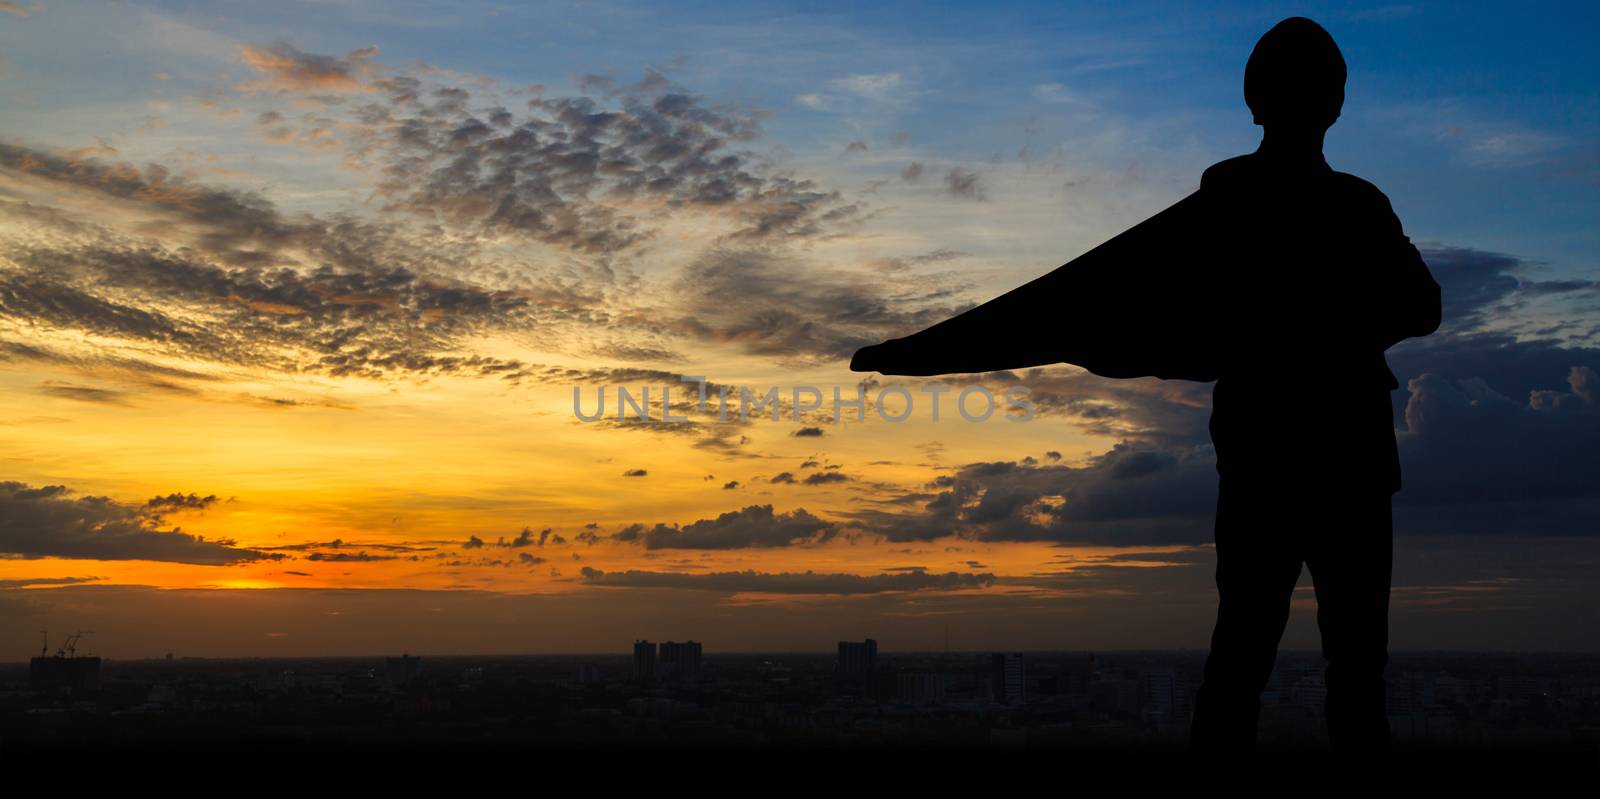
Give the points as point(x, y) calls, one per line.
point(1165, 696)
point(857, 665)
point(644, 660)
point(401, 670)
point(921, 687)
point(858, 658)
point(65, 671)
point(679, 661)
point(73, 674)
point(1008, 678)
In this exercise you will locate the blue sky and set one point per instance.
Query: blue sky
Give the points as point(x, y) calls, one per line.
point(1479, 119)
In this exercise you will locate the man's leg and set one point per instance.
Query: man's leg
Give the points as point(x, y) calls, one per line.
point(1258, 563)
point(1351, 563)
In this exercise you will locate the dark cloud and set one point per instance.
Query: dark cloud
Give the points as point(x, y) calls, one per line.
point(25, 582)
point(1131, 495)
point(100, 363)
point(371, 323)
point(753, 526)
point(1146, 410)
point(49, 521)
point(823, 478)
point(962, 183)
point(795, 309)
point(1475, 461)
point(563, 173)
point(635, 473)
point(40, 300)
point(791, 582)
point(240, 281)
point(176, 501)
point(813, 432)
point(339, 543)
point(523, 539)
point(103, 396)
point(348, 557)
point(1506, 465)
point(287, 69)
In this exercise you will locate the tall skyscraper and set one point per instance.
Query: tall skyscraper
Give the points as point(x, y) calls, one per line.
point(1008, 677)
point(921, 687)
point(856, 669)
point(401, 670)
point(644, 660)
point(1164, 696)
point(858, 658)
point(680, 661)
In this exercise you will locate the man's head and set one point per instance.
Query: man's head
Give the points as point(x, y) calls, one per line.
point(1295, 76)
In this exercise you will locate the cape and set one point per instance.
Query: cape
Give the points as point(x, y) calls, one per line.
point(1137, 305)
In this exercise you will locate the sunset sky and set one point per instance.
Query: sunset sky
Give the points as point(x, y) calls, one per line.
point(294, 297)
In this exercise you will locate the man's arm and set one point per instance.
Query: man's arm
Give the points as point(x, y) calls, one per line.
point(1412, 300)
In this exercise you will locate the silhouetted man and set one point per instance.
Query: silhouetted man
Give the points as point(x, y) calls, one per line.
point(1285, 282)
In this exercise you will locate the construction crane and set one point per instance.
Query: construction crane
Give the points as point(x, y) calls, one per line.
point(70, 648)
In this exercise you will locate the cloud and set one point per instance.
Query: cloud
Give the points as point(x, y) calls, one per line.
point(41, 300)
point(882, 86)
point(339, 543)
point(348, 557)
point(1057, 94)
point(791, 582)
point(370, 317)
point(1491, 143)
point(48, 522)
point(523, 539)
point(1475, 461)
point(285, 68)
point(791, 308)
point(1472, 283)
point(964, 184)
point(823, 478)
point(1133, 494)
point(567, 171)
point(226, 275)
point(102, 396)
point(1467, 444)
point(756, 526)
point(1496, 146)
point(25, 582)
point(176, 501)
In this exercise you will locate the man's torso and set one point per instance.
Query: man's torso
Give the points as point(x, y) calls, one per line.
point(1302, 394)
